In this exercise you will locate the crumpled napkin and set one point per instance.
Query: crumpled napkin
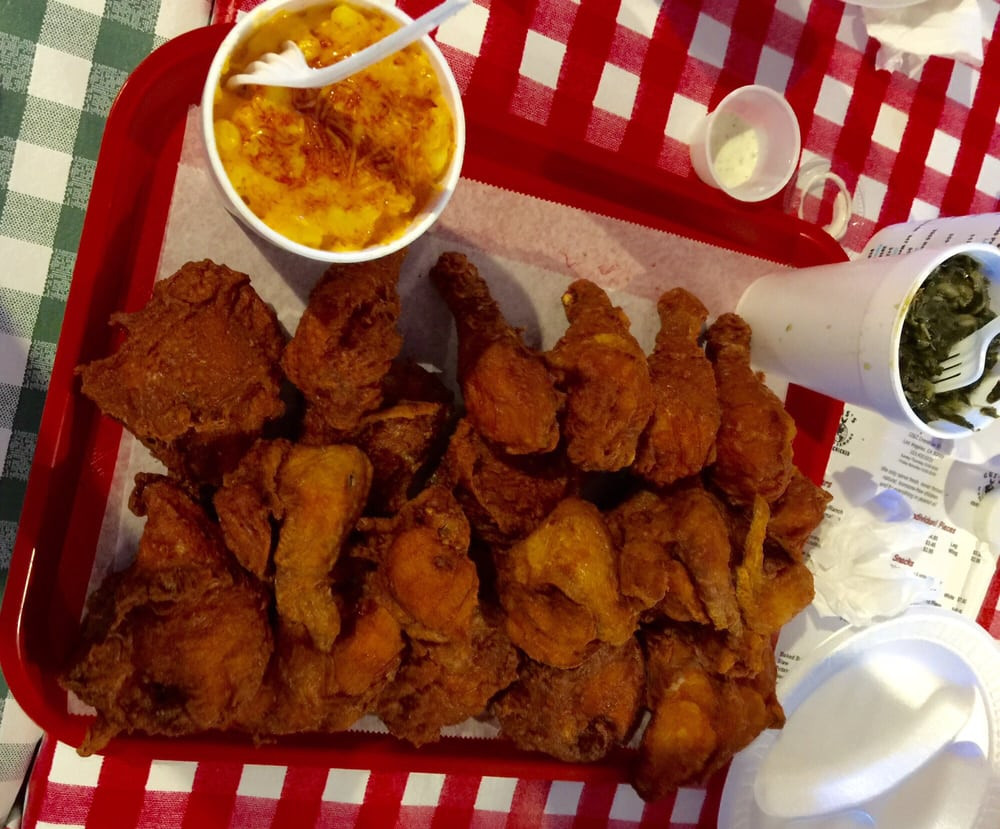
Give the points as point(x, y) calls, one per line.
point(909, 35)
point(854, 571)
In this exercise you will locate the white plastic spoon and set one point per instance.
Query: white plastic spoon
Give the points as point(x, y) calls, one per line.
point(289, 68)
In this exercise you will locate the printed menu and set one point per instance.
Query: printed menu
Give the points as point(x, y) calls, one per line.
point(947, 510)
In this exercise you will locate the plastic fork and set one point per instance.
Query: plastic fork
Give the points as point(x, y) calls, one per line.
point(967, 360)
point(289, 68)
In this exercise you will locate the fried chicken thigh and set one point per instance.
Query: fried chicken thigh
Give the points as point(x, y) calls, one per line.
point(509, 394)
point(442, 684)
point(560, 587)
point(504, 496)
point(603, 372)
point(423, 565)
point(576, 715)
point(680, 438)
point(796, 515)
point(178, 641)
point(687, 525)
point(196, 378)
point(344, 346)
point(405, 438)
point(309, 690)
point(700, 718)
point(754, 445)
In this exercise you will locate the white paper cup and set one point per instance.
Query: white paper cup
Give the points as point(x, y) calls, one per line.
point(749, 145)
point(429, 212)
point(836, 328)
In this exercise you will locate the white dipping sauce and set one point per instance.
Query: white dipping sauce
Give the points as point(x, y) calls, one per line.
point(734, 150)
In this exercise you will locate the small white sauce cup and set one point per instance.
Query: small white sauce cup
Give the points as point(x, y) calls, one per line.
point(769, 124)
point(836, 329)
point(430, 212)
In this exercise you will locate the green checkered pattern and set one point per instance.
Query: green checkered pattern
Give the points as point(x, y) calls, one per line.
point(61, 66)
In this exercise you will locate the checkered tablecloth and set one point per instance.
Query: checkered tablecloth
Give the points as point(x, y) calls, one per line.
point(629, 76)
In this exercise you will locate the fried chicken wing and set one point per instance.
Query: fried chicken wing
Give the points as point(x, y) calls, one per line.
point(504, 496)
point(796, 515)
point(602, 370)
point(442, 684)
point(344, 346)
point(770, 590)
point(679, 440)
point(248, 506)
point(579, 714)
point(178, 641)
point(754, 444)
point(196, 378)
point(314, 496)
point(560, 588)
point(509, 394)
point(424, 567)
point(688, 525)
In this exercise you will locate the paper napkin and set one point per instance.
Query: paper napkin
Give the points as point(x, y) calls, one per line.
point(909, 35)
point(856, 568)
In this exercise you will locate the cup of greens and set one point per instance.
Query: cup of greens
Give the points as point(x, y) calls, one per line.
point(873, 332)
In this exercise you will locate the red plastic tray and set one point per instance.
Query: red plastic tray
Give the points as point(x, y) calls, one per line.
point(117, 260)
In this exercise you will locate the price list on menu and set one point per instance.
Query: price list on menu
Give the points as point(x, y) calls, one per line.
point(948, 499)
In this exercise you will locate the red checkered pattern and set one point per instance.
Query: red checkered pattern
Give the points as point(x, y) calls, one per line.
point(631, 77)
point(634, 76)
point(111, 792)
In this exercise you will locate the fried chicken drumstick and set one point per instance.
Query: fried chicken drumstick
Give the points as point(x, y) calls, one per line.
point(602, 370)
point(754, 444)
point(509, 395)
point(680, 438)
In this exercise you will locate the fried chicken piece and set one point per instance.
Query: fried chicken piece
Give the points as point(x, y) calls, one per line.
point(688, 525)
point(602, 370)
point(576, 715)
point(680, 438)
point(249, 508)
point(754, 444)
point(178, 642)
point(504, 496)
point(344, 346)
point(442, 684)
point(314, 496)
point(509, 394)
point(796, 515)
point(699, 719)
point(560, 589)
point(309, 690)
point(406, 437)
point(196, 378)
point(424, 567)
point(408, 381)
point(770, 591)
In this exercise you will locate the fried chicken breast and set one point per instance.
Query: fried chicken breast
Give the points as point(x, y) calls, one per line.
point(196, 378)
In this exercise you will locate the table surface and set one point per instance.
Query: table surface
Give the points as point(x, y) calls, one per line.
point(631, 77)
